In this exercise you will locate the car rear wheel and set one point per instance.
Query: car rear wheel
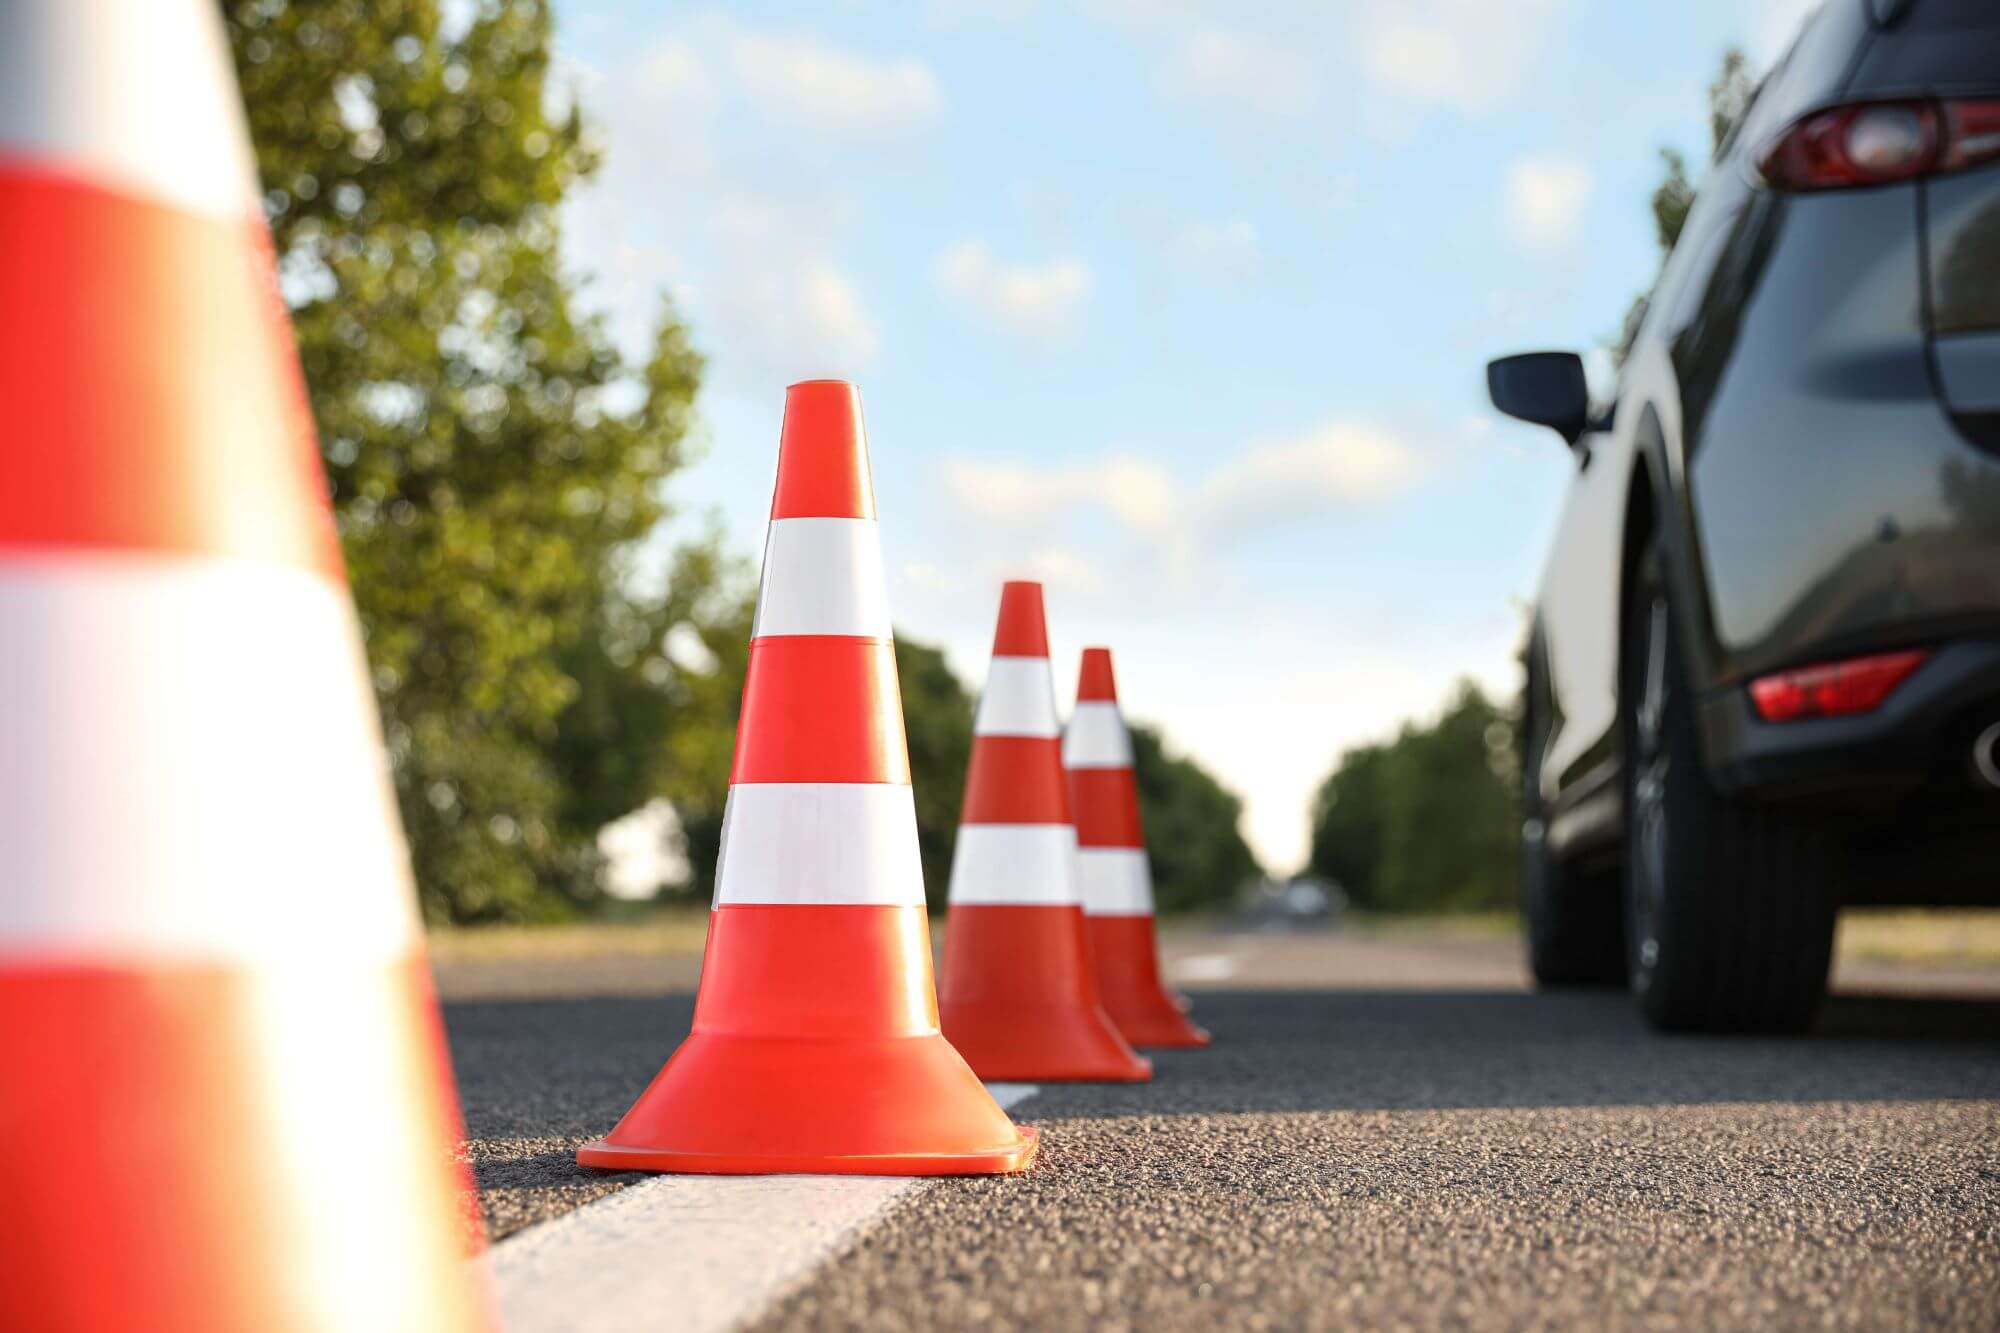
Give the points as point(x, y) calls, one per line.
point(1729, 904)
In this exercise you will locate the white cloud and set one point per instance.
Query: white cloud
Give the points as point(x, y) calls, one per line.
point(1141, 14)
point(1469, 54)
point(1228, 251)
point(832, 306)
point(1545, 198)
point(1239, 70)
point(974, 11)
point(749, 246)
point(1136, 491)
point(778, 300)
point(1035, 301)
point(1339, 465)
point(818, 86)
point(1335, 466)
point(674, 69)
point(1057, 568)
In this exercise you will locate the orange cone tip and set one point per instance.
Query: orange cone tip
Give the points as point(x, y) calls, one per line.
point(1020, 997)
point(1111, 860)
point(815, 1045)
point(224, 1103)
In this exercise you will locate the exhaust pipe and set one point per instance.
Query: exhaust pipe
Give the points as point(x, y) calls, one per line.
point(1986, 757)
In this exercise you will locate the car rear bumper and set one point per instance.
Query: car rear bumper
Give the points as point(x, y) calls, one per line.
point(1921, 735)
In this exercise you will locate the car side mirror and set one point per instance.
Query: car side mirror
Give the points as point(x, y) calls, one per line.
point(1546, 388)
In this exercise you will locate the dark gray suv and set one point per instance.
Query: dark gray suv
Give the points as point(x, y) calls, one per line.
point(1764, 666)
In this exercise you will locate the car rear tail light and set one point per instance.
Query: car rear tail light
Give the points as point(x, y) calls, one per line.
point(1878, 143)
point(1833, 689)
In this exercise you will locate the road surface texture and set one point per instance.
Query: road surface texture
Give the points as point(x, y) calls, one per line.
point(1389, 1132)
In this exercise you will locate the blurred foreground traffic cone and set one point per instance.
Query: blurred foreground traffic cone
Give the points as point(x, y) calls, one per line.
point(1111, 862)
point(815, 1045)
point(1020, 999)
point(223, 1100)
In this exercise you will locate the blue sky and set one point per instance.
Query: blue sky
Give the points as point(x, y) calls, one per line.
point(1181, 307)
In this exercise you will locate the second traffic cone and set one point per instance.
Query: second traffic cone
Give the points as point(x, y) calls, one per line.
point(1020, 998)
point(1111, 861)
point(815, 1045)
point(224, 1103)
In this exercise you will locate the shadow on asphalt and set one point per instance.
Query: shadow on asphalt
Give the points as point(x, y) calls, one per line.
point(1430, 1050)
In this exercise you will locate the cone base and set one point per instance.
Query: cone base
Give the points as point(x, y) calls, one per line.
point(729, 1104)
point(1126, 954)
point(1019, 999)
point(1154, 1028)
point(605, 1155)
point(1009, 1044)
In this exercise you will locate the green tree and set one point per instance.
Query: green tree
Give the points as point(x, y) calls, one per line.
point(1452, 842)
point(492, 456)
point(937, 717)
point(1426, 822)
point(714, 657)
point(1348, 819)
point(1198, 854)
point(667, 669)
point(1729, 96)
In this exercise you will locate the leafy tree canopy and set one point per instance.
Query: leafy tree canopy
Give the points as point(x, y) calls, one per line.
point(1729, 96)
point(1428, 821)
point(494, 459)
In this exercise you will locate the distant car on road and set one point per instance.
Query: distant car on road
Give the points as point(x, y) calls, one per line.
point(1764, 663)
point(1294, 903)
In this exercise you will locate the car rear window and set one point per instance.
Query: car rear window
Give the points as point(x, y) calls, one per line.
point(1933, 46)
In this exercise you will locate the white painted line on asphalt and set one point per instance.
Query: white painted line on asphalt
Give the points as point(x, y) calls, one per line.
point(693, 1253)
point(1203, 967)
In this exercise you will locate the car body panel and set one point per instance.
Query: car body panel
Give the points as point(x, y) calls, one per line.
point(1838, 508)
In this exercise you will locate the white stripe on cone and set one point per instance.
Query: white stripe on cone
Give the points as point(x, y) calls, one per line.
point(193, 756)
point(1025, 865)
point(820, 843)
point(134, 95)
point(1019, 700)
point(823, 576)
point(1116, 881)
point(1095, 738)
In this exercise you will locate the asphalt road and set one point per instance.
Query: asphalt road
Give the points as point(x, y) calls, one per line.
point(1387, 1133)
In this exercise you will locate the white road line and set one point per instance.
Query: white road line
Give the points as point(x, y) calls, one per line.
point(694, 1253)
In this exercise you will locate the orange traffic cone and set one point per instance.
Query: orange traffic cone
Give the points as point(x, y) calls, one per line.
point(815, 1045)
point(1111, 861)
point(223, 1101)
point(1020, 999)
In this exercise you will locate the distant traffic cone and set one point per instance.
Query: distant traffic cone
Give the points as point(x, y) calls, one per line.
point(815, 1045)
point(223, 1100)
point(1020, 999)
point(1111, 861)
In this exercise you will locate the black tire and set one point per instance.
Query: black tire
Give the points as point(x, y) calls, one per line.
point(1729, 904)
point(1573, 920)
